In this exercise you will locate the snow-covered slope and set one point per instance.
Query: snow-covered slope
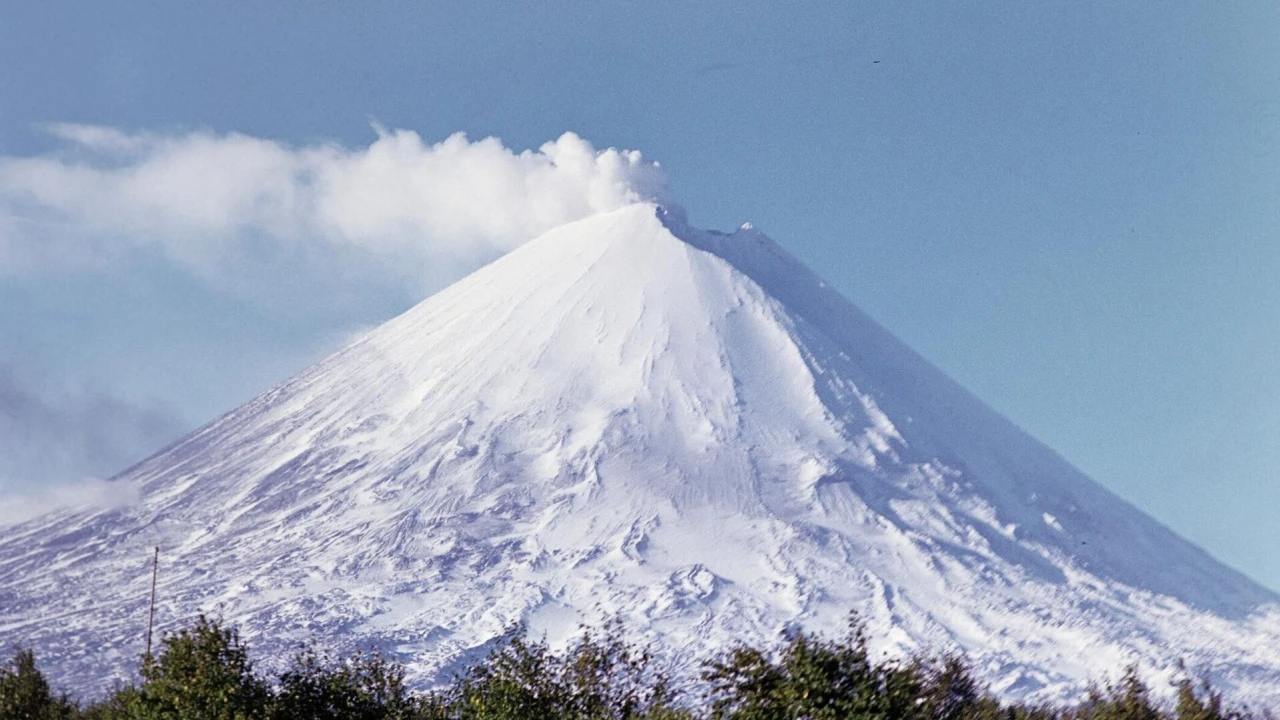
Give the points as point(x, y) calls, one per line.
point(631, 416)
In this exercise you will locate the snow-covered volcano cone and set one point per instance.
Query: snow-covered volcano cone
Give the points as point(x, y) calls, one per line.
point(629, 416)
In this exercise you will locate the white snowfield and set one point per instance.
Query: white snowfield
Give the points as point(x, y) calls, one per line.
point(630, 417)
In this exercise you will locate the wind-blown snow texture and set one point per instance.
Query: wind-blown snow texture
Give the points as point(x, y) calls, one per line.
point(629, 416)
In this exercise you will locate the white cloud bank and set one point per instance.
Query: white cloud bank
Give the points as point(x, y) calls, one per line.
point(209, 200)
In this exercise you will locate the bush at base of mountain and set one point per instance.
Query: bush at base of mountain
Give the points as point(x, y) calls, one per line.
point(601, 676)
point(25, 695)
point(204, 673)
point(363, 687)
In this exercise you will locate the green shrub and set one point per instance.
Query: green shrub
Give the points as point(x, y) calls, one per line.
point(601, 677)
point(202, 673)
point(25, 694)
point(364, 687)
point(813, 679)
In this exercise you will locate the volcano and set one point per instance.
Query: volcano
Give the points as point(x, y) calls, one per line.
point(629, 417)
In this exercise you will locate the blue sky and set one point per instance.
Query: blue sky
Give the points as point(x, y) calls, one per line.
point(1071, 208)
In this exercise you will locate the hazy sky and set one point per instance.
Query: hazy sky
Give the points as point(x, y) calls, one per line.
point(1072, 209)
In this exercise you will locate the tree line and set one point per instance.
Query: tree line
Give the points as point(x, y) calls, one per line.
point(204, 672)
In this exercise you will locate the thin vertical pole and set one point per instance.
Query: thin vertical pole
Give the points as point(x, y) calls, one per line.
point(151, 613)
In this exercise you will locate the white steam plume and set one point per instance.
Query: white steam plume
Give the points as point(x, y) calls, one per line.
point(207, 199)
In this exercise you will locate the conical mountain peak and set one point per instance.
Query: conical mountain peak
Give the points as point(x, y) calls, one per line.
point(629, 416)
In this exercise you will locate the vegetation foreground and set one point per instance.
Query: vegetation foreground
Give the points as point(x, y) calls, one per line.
point(204, 673)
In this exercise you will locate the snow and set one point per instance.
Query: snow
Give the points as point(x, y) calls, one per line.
point(628, 416)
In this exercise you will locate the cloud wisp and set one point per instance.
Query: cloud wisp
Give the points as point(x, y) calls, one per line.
point(88, 493)
point(209, 200)
point(54, 447)
point(48, 437)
